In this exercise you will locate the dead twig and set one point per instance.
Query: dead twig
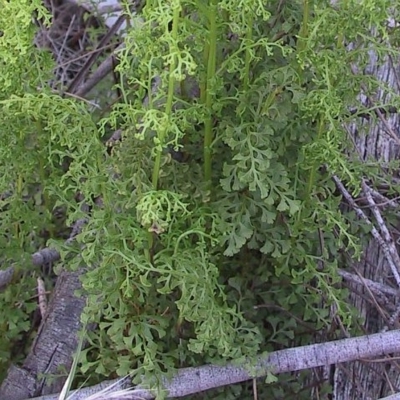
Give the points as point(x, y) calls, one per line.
point(375, 287)
point(101, 72)
point(377, 236)
point(6, 277)
point(378, 112)
point(197, 379)
point(383, 201)
point(387, 237)
point(44, 256)
point(42, 299)
point(78, 79)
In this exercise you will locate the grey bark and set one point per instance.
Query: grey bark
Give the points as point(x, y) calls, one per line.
point(53, 347)
point(195, 380)
point(6, 277)
point(45, 256)
point(41, 257)
point(366, 379)
point(392, 397)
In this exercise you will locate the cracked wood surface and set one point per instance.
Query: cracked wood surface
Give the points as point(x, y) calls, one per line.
point(192, 380)
point(366, 379)
point(53, 347)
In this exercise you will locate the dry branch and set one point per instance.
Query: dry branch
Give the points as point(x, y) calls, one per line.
point(100, 73)
point(375, 287)
point(194, 380)
point(78, 79)
point(392, 397)
point(6, 277)
point(43, 256)
point(57, 337)
point(54, 345)
point(390, 254)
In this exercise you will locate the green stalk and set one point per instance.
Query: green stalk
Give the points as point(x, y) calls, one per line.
point(170, 98)
point(19, 188)
point(211, 63)
point(311, 177)
point(203, 82)
point(304, 26)
point(340, 40)
point(168, 112)
point(249, 36)
point(310, 183)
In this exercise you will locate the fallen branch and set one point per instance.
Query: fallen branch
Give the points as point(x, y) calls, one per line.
point(57, 337)
point(6, 277)
point(43, 256)
point(78, 79)
point(375, 287)
point(194, 380)
point(54, 345)
point(388, 252)
point(382, 226)
point(100, 73)
point(395, 396)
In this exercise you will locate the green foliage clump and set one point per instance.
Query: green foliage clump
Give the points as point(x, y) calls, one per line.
point(217, 211)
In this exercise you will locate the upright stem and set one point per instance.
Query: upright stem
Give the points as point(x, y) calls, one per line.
point(311, 177)
point(249, 35)
point(211, 63)
point(170, 96)
point(304, 26)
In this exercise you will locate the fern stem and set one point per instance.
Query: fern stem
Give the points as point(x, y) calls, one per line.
point(211, 63)
point(249, 36)
point(170, 96)
point(311, 178)
point(304, 26)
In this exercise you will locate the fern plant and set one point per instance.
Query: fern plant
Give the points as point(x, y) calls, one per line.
point(217, 210)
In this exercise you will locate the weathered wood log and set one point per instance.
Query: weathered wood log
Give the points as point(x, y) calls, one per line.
point(54, 345)
point(367, 379)
point(195, 380)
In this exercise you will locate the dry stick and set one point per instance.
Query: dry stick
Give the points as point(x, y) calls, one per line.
point(56, 338)
point(374, 231)
point(389, 241)
point(378, 112)
point(393, 321)
point(384, 201)
point(376, 287)
point(95, 54)
point(395, 396)
point(59, 54)
point(383, 228)
point(195, 380)
point(6, 277)
point(43, 256)
point(49, 255)
point(42, 299)
point(375, 302)
point(101, 72)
